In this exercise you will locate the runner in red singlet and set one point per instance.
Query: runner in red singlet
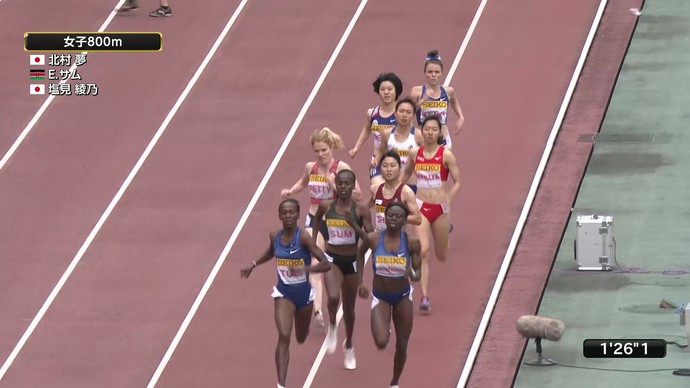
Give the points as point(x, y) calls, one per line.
point(432, 164)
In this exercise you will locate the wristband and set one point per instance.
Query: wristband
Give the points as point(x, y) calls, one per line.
point(254, 264)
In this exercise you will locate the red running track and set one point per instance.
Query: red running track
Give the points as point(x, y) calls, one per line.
point(116, 315)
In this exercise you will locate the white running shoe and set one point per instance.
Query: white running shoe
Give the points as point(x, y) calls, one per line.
point(318, 318)
point(350, 360)
point(331, 339)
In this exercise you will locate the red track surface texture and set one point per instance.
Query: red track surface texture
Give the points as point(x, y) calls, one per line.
point(115, 317)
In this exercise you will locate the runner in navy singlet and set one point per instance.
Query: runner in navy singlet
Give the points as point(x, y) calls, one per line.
point(435, 99)
point(382, 117)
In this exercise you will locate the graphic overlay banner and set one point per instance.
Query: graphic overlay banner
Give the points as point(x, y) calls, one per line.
point(93, 41)
point(62, 72)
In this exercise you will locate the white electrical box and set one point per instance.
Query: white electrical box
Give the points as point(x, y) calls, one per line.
point(595, 245)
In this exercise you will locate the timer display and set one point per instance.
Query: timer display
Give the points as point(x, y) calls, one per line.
point(624, 348)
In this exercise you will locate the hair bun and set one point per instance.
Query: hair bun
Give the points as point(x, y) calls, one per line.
point(433, 55)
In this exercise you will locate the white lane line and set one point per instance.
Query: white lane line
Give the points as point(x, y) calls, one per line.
point(465, 43)
point(488, 311)
point(48, 101)
point(461, 51)
point(247, 212)
point(120, 193)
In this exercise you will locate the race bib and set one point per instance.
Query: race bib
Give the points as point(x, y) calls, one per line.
point(428, 175)
point(380, 217)
point(438, 108)
point(291, 271)
point(391, 266)
point(340, 232)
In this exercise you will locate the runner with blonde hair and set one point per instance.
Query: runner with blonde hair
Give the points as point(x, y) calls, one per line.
point(319, 177)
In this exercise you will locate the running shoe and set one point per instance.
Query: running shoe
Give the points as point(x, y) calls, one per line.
point(350, 360)
point(318, 318)
point(129, 5)
point(425, 306)
point(331, 339)
point(160, 12)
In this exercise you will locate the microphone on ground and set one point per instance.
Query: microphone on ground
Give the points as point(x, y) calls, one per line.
point(532, 326)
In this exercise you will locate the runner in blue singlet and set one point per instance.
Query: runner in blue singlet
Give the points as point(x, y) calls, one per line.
point(396, 260)
point(293, 295)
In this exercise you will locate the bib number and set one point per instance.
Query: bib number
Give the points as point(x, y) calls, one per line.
point(292, 276)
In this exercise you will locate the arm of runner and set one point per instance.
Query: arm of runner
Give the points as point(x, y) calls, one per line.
point(416, 94)
point(415, 269)
point(365, 213)
point(318, 219)
point(268, 255)
point(361, 252)
point(300, 184)
point(383, 147)
point(372, 194)
point(363, 135)
point(455, 105)
point(410, 200)
point(454, 171)
point(323, 266)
